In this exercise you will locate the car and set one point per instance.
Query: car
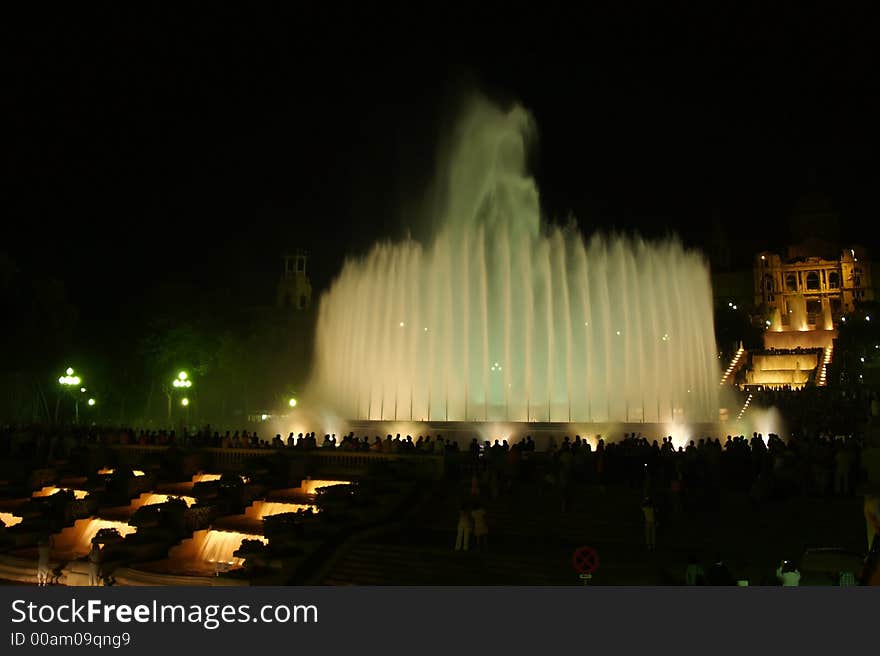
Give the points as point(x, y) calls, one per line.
point(830, 566)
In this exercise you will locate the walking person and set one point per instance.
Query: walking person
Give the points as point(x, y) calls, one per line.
point(481, 528)
point(462, 540)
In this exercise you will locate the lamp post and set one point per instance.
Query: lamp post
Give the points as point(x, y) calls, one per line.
point(182, 382)
point(68, 382)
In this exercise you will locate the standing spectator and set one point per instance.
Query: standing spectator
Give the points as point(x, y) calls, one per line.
point(694, 574)
point(95, 564)
point(475, 486)
point(872, 517)
point(44, 549)
point(462, 540)
point(718, 574)
point(788, 574)
point(481, 528)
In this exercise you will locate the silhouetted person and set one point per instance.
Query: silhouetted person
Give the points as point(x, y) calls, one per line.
point(718, 573)
point(694, 574)
point(481, 528)
point(463, 537)
point(44, 549)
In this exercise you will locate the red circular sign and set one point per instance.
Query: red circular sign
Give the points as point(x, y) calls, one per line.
point(585, 560)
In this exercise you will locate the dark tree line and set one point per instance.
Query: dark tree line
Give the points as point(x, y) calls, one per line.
point(242, 356)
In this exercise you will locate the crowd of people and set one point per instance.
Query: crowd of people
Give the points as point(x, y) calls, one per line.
point(819, 464)
point(814, 411)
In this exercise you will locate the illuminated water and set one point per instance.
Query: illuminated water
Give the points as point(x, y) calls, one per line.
point(262, 509)
point(49, 491)
point(9, 520)
point(203, 478)
point(76, 541)
point(498, 317)
point(310, 486)
point(218, 546)
point(151, 498)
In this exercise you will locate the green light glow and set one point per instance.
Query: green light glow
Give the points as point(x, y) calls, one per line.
point(292, 403)
point(184, 401)
point(91, 401)
point(182, 375)
point(69, 371)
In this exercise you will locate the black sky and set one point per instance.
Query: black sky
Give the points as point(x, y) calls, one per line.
point(156, 145)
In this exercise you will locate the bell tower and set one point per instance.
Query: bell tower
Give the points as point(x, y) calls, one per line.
point(294, 287)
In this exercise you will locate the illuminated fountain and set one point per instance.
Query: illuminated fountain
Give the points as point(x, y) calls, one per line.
point(500, 318)
point(9, 520)
point(206, 553)
point(262, 509)
point(311, 486)
point(204, 478)
point(152, 498)
point(76, 541)
point(49, 491)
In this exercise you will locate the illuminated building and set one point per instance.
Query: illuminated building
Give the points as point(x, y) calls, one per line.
point(811, 286)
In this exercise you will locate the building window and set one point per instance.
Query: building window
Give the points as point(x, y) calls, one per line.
point(813, 281)
point(791, 282)
point(835, 305)
point(834, 280)
point(857, 281)
point(814, 306)
point(300, 264)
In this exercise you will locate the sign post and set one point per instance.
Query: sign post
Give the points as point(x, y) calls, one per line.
point(585, 561)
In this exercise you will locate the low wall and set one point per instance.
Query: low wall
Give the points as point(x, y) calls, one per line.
point(321, 459)
point(792, 339)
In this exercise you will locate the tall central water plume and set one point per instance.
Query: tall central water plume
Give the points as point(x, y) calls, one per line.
point(499, 317)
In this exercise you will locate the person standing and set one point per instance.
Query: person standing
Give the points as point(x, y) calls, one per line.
point(650, 514)
point(694, 574)
point(481, 528)
point(788, 574)
point(44, 549)
point(95, 564)
point(872, 517)
point(462, 540)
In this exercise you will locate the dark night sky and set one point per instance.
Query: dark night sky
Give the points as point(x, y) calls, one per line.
point(148, 147)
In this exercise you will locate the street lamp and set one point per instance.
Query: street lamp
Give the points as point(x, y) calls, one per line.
point(292, 402)
point(69, 381)
point(182, 382)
